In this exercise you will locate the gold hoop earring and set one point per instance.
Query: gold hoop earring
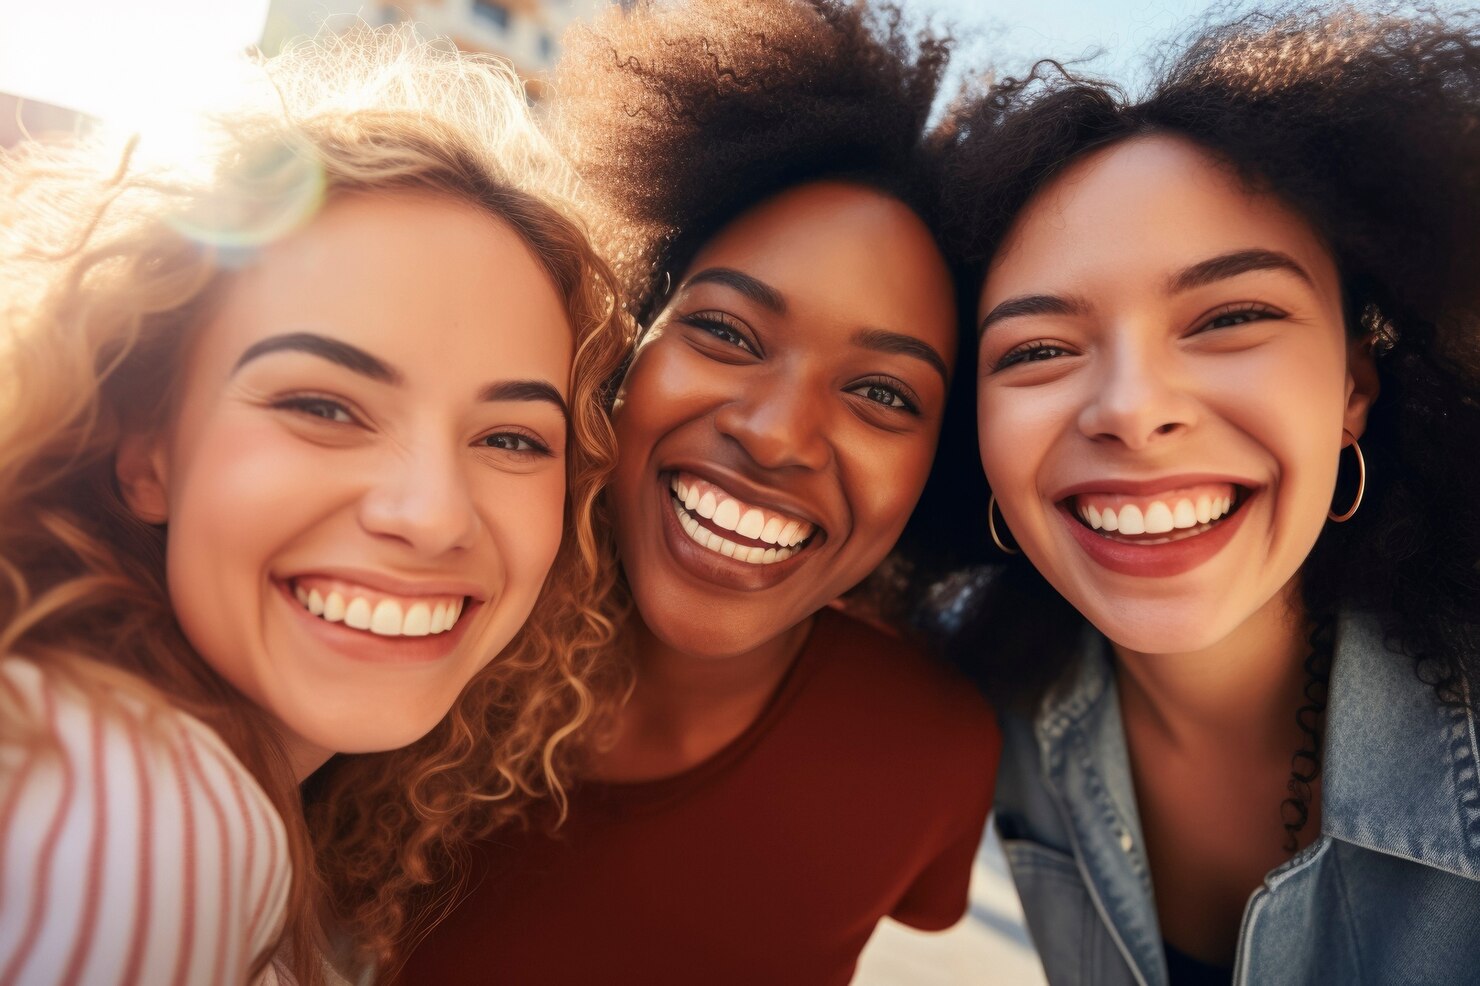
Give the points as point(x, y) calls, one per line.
point(1361, 484)
point(992, 527)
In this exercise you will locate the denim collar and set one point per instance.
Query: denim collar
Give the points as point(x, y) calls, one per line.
point(1400, 770)
point(1399, 777)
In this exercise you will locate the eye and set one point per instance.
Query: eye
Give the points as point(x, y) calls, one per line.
point(515, 442)
point(1238, 313)
point(325, 408)
point(1031, 352)
point(722, 326)
point(888, 393)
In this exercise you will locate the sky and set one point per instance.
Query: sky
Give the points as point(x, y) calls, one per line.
point(78, 69)
point(1010, 36)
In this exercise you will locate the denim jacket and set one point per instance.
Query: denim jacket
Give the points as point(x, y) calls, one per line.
point(1388, 893)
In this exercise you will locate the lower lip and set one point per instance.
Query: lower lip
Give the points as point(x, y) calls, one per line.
point(372, 648)
point(1156, 560)
point(711, 566)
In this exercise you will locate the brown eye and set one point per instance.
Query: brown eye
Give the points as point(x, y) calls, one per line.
point(886, 393)
point(317, 407)
point(1239, 314)
point(1033, 352)
point(719, 326)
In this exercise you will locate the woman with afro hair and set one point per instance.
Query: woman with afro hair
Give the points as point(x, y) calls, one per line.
point(1228, 372)
point(781, 775)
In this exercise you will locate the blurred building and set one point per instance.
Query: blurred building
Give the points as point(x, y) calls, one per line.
point(526, 32)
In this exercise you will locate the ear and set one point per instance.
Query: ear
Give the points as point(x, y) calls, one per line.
point(1362, 384)
point(143, 476)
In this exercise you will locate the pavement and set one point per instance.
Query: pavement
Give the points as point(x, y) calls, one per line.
point(989, 945)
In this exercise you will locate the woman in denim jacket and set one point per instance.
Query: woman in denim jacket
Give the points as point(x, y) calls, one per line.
point(1229, 409)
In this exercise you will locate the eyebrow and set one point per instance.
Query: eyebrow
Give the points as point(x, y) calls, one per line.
point(1233, 264)
point(525, 390)
point(357, 360)
point(883, 341)
point(1032, 304)
point(342, 353)
point(756, 290)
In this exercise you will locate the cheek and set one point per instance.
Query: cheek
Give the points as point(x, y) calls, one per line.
point(1012, 435)
point(883, 484)
point(526, 517)
point(238, 494)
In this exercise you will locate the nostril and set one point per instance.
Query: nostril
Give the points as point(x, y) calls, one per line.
point(1166, 429)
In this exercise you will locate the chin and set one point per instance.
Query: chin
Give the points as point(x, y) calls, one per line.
point(1161, 629)
point(713, 639)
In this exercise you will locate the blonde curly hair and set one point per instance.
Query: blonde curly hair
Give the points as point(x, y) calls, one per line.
point(108, 262)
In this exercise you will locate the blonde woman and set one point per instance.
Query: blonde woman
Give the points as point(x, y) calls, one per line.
point(291, 435)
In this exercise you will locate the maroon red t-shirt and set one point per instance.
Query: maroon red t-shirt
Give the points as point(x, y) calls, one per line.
point(860, 792)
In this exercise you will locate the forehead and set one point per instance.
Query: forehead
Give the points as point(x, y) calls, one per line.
point(403, 275)
point(1140, 209)
point(842, 249)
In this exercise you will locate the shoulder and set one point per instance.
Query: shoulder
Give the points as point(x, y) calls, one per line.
point(894, 690)
point(134, 846)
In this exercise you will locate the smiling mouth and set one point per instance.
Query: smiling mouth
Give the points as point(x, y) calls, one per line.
point(378, 613)
point(721, 522)
point(1163, 518)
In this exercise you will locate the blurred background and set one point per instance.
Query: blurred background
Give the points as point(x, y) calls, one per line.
point(67, 65)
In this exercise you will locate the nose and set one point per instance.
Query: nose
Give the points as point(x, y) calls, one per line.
point(780, 420)
point(1141, 397)
point(423, 501)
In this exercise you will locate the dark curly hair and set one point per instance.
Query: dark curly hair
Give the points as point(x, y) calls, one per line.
point(679, 118)
point(1367, 124)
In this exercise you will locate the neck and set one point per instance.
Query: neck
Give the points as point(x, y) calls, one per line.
point(685, 707)
point(1245, 685)
point(303, 757)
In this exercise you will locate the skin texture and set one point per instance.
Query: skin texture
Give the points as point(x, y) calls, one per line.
point(786, 408)
point(285, 465)
point(1249, 378)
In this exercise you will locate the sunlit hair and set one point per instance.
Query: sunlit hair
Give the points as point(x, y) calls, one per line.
point(108, 263)
point(679, 117)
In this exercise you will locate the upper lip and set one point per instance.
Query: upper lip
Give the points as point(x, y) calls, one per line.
point(756, 496)
point(1149, 487)
point(393, 585)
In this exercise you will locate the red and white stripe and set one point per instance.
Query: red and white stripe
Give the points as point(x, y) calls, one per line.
point(136, 850)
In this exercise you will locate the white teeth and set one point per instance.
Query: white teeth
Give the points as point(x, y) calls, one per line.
point(691, 499)
point(418, 621)
point(386, 619)
point(788, 535)
point(752, 524)
point(1158, 518)
point(707, 504)
point(727, 515)
point(771, 533)
point(357, 614)
point(750, 554)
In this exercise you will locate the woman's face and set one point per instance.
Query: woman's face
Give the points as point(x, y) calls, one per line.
point(778, 421)
point(1164, 377)
point(364, 480)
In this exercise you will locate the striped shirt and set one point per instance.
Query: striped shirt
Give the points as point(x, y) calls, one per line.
point(136, 850)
